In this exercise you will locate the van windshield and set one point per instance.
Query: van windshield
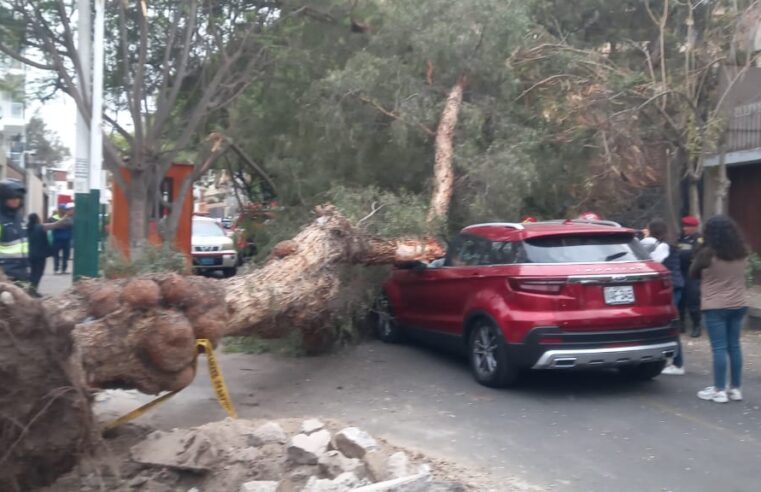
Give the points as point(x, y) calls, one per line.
point(205, 228)
point(584, 249)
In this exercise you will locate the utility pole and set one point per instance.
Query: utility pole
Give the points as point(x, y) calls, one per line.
point(89, 147)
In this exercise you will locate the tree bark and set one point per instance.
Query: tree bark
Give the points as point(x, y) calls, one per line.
point(140, 332)
point(139, 203)
point(723, 184)
point(443, 171)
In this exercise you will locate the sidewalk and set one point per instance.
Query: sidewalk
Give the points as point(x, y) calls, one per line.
point(52, 285)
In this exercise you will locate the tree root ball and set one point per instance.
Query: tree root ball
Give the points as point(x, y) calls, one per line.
point(176, 290)
point(141, 293)
point(170, 343)
point(207, 322)
point(285, 248)
point(183, 379)
point(104, 301)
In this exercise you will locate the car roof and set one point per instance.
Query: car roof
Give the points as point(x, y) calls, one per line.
point(509, 231)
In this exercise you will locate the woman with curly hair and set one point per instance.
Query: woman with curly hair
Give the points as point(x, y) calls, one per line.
point(720, 265)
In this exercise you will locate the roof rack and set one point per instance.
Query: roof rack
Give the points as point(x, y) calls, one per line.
point(608, 223)
point(512, 225)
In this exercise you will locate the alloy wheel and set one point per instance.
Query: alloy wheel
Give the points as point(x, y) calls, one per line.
point(485, 351)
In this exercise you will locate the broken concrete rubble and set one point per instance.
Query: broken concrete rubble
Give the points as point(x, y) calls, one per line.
point(333, 464)
point(413, 483)
point(354, 442)
point(306, 449)
point(259, 486)
point(312, 425)
point(398, 465)
point(220, 456)
point(271, 432)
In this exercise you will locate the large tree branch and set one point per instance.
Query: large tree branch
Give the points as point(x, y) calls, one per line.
point(26, 61)
point(167, 103)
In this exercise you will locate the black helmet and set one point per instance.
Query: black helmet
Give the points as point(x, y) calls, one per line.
point(11, 188)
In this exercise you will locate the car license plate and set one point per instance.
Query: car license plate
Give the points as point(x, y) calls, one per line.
point(623, 294)
point(206, 261)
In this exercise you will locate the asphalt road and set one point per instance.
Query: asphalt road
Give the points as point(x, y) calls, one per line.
point(556, 431)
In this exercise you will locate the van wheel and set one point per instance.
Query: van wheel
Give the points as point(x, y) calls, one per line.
point(643, 372)
point(230, 272)
point(386, 327)
point(488, 357)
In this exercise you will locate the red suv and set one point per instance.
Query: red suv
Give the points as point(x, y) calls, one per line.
point(547, 295)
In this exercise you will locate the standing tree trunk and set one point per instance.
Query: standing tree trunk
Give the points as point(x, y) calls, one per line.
point(723, 184)
point(443, 171)
point(139, 209)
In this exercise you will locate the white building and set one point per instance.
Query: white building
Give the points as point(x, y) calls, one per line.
point(12, 113)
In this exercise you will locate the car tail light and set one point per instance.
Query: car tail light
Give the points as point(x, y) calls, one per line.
point(537, 286)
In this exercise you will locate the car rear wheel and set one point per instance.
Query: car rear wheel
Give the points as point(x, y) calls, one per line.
point(385, 324)
point(488, 357)
point(643, 372)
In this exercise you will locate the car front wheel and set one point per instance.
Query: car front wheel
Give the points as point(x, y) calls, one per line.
point(488, 357)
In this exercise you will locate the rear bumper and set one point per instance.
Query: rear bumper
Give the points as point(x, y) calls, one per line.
point(604, 357)
point(552, 348)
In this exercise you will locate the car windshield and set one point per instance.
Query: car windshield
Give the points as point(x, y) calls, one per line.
point(584, 249)
point(205, 228)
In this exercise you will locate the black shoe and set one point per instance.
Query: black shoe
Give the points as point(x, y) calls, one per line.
point(695, 332)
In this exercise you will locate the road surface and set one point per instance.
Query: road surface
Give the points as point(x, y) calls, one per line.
point(569, 431)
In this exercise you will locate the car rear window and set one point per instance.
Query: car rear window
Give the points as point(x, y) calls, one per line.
point(583, 249)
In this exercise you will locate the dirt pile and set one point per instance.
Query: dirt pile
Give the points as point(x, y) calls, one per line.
point(255, 456)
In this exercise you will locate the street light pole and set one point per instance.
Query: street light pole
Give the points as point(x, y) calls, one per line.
point(88, 172)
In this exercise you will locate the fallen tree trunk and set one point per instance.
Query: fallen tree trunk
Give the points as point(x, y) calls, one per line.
point(140, 333)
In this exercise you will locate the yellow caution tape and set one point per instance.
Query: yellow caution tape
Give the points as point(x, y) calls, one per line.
point(217, 382)
point(215, 374)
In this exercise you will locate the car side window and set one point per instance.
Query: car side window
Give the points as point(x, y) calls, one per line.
point(507, 253)
point(502, 253)
point(468, 251)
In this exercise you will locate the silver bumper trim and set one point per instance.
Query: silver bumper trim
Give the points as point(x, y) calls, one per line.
point(575, 358)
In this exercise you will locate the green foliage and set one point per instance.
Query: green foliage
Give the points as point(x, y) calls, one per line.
point(753, 270)
point(381, 212)
point(290, 346)
point(46, 145)
point(150, 259)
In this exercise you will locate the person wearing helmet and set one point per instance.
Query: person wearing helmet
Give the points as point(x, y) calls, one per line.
point(14, 245)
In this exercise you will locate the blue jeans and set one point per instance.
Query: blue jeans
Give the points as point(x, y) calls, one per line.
point(678, 357)
point(724, 327)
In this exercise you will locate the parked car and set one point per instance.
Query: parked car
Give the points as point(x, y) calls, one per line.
point(213, 250)
point(555, 295)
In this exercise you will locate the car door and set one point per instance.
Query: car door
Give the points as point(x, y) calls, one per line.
point(441, 293)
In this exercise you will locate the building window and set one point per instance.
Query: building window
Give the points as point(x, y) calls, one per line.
point(17, 110)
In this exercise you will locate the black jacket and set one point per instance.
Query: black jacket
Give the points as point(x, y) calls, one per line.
point(39, 245)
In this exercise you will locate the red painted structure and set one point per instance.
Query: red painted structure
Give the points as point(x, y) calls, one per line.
point(171, 190)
